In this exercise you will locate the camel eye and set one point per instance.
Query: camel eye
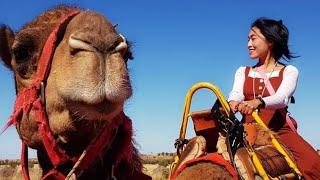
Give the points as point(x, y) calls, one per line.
point(21, 54)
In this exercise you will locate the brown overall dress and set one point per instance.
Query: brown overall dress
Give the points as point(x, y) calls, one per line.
point(307, 159)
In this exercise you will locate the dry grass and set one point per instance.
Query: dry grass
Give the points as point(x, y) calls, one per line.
point(9, 173)
point(154, 165)
point(156, 171)
point(157, 166)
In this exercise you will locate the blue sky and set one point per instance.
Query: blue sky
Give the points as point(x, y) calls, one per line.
point(180, 43)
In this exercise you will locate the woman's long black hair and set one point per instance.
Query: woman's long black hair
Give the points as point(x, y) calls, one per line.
point(277, 33)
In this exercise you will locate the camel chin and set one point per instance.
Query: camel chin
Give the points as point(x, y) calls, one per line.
point(104, 111)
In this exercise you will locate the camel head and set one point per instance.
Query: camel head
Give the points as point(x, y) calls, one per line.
point(87, 81)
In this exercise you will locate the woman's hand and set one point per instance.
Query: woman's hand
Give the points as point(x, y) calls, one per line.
point(234, 106)
point(248, 107)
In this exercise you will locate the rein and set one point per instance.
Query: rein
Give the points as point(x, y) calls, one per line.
point(32, 98)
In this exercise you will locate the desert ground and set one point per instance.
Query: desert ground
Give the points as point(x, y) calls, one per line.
point(157, 166)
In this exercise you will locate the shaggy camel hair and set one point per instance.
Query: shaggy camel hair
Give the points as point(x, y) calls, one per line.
point(204, 171)
point(85, 91)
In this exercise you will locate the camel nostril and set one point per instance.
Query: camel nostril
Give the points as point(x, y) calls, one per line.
point(122, 48)
point(77, 45)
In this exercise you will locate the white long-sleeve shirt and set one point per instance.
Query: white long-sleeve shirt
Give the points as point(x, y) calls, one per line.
point(282, 96)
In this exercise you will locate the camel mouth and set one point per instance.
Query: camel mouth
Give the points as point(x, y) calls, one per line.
point(105, 110)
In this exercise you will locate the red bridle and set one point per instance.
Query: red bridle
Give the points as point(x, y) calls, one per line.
point(32, 99)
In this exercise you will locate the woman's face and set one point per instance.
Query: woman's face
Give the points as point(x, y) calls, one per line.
point(258, 46)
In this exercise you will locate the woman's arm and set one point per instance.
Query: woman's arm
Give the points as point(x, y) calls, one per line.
point(236, 95)
point(286, 89)
point(280, 99)
point(237, 91)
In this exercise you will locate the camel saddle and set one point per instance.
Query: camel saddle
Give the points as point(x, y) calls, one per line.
point(272, 161)
point(270, 158)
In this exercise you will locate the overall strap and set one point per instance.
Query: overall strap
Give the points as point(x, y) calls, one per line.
point(272, 92)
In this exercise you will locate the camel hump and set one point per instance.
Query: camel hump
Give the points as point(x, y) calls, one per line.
point(195, 148)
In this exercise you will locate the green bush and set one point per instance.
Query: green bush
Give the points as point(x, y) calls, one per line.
point(13, 164)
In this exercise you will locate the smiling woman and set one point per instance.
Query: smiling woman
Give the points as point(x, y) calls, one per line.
point(70, 69)
point(268, 87)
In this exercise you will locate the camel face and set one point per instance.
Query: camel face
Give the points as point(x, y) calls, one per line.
point(88, 81)
point(89, 72)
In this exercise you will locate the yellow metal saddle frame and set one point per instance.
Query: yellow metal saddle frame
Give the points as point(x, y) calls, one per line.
point(255, 160)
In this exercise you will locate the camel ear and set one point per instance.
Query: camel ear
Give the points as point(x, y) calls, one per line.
point(6, 42)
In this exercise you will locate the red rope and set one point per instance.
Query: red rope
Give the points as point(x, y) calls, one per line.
point(24, 161)
point(102, 143)
point(29, 99)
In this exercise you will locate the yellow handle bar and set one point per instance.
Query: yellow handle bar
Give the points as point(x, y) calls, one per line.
point(187, 103)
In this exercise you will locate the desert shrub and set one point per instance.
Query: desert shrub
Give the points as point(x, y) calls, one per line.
point(160, 173)
point(150, 161)
point(13, 164)
point(165, 162)
point(31, 164)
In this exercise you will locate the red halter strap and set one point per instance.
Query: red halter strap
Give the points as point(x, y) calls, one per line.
point(31, 96)
point(29, 99)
